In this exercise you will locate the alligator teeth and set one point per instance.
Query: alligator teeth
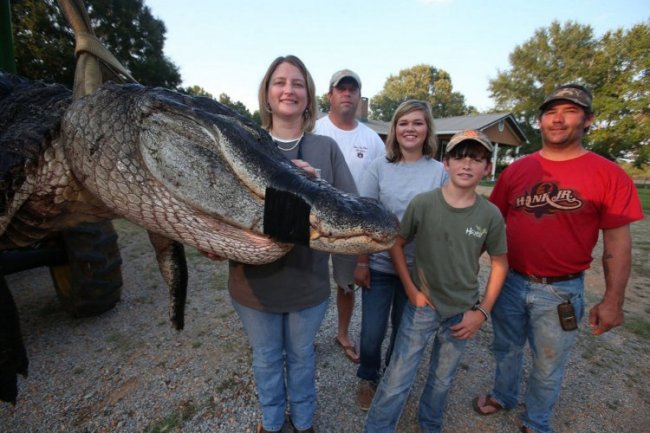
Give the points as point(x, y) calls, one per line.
point(314, 234)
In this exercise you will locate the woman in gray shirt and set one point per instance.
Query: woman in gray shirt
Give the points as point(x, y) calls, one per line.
point(282, 304)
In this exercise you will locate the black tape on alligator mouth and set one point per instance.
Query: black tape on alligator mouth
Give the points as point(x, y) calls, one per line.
point(286, 217)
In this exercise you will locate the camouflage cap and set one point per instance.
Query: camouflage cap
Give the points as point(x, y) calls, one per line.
point(344, 73)
point(469, 134)
point(569, 92)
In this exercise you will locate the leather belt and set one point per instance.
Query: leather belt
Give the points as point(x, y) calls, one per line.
point(547, 280)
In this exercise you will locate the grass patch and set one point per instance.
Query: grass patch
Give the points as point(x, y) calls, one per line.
point(121, 342)
point(229, 384)
point(220, 280)
point(191, 252)
point(167, 424)
point(642, 245)
point(145, 300)
point(638, 326)
point(171, 422)
point(636, 173)
point(644, 196)
point(228, 347)
point(589, 352)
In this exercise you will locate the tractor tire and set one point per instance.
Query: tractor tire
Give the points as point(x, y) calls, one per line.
point(90, 283)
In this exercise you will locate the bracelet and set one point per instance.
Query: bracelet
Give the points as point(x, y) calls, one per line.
point(362, 265)
point(477, 307)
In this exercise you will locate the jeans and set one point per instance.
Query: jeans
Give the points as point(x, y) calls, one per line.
point(279, 340)
point(385, 291)
point(417, 327)
point(527, 311)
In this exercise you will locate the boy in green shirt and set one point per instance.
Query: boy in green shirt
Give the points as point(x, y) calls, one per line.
point(452, 226)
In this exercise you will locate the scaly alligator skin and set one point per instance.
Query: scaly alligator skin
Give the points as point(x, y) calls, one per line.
point(189, 170)
point(186, 168)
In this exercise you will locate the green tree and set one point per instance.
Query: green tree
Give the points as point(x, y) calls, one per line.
point(237, 106)
point(196, 91)
point(224, 99)
point(621, 82)
point(256, 117)
point(44, 43)
point(615, 67)
point(324, 103)
point(423, 82)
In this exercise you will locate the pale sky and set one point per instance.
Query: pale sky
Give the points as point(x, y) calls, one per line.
point(226, 46)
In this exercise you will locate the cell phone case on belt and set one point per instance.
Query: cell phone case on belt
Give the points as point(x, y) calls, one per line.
point(567, 316)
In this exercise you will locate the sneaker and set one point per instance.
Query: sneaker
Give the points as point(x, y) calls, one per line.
point(365, 393)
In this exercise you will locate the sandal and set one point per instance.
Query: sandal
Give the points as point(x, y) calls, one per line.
point(488, 402)
point(349, 351)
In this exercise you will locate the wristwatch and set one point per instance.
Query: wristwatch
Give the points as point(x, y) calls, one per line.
point(478, 307)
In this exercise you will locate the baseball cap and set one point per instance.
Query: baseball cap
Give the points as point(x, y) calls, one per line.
point(469, 134)
point(344, 73)
point(569, 92)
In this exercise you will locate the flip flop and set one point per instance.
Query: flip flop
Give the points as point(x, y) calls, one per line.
point(349, 351)
point(489, 402)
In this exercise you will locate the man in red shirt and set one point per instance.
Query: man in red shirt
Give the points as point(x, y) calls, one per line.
point(555, 202)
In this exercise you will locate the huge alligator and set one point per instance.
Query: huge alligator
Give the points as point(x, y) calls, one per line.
point(187, 169)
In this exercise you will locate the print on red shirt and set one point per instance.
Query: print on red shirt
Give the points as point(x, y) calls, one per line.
point(546, 198)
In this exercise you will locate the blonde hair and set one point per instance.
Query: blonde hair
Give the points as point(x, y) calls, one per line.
point(430, 145)
point(309, 116)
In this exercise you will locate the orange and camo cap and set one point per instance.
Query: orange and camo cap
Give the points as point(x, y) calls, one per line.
point(469, 134)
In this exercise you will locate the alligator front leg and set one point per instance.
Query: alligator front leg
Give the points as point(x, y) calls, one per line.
point(173, 267)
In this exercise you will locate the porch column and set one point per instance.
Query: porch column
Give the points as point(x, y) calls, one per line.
point(494, 161)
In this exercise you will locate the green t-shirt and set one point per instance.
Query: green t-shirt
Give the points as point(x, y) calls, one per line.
point(448, 244)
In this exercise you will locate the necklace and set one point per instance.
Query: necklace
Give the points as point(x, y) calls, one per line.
point(295, 142)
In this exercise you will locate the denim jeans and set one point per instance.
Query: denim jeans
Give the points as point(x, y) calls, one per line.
point(417, 327)
point(527, 311)
point(280, 339)
point(385, 291)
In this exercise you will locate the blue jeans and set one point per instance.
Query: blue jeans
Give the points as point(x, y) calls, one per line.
point(417, 327)
point(385, 291)
point(527, 311)
point(280, 339)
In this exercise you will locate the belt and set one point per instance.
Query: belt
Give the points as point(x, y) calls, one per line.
point(547, 280)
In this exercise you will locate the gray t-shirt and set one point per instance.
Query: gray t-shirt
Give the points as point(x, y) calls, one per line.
point(300, 279)
point(394, 184)
point(449, 242)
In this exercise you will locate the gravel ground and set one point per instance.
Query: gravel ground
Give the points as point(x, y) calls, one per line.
point(129, 371)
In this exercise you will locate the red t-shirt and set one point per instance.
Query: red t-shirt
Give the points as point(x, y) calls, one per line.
point(554, 210)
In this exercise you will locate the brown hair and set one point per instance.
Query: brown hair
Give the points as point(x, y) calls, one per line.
point(309, 116)
point(430, 145)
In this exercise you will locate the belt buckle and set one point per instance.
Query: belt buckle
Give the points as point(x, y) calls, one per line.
point(544, 280)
